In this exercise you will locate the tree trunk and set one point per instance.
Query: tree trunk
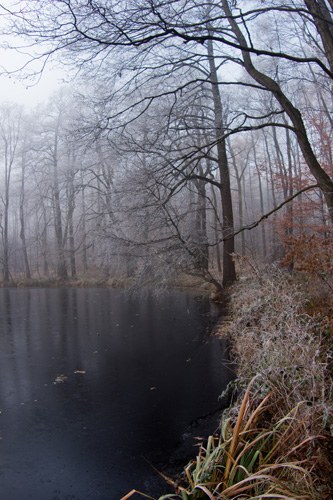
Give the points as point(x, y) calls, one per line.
point(240, 199)
point(22, 222)
point(200, 239)
point(84, 237)
point(228, 264)
point(261, 200)
point(324, 23)
point(8, 169)
point(61, 262)
point(71, 206)
point(218, 254)
point(44, 244)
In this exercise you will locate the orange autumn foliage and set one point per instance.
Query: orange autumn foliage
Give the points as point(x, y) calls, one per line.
point(312, 254)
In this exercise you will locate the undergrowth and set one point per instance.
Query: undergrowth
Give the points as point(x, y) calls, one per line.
point(276, 339)
point(282, 334)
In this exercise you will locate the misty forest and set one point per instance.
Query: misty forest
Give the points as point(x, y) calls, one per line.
point(187, 154)
point(188, 135)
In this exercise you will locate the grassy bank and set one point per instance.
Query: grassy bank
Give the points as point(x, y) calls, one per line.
point(276, 441)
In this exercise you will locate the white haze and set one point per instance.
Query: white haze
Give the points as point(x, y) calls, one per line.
point(16, 86)
point(16, 65)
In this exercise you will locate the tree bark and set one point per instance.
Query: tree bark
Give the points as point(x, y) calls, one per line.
point(324, 24)
point(22, 222)
point(61, 262)
point(228, 264)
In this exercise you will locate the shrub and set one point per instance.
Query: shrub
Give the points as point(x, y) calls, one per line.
point(250, 462)
point(311, 254)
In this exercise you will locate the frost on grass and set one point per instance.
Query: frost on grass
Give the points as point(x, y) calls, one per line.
point(274, 337)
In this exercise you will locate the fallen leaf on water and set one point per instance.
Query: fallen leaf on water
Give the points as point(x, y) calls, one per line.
point(60, 379)
point(80, 371)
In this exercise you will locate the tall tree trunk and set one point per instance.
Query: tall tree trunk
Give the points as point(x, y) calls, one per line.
point(44, 244)
point(10, 125)
point(216, 232)
point(323, 20)
point(8, 169)
point(84, 237)
point(261, 200)
point(71, 207)
point(290, 206)
point(22, 222)
point(239, 176)
point(201, 240)
point(228, 264)
point(61, 261)
point(5, 224)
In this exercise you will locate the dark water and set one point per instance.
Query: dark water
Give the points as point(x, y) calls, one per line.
point(86, 436)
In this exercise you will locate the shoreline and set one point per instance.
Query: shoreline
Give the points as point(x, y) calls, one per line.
point(183, 283)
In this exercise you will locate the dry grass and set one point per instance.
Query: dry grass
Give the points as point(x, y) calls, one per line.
point(282, 332)
point(248, 461)
point(275, 339)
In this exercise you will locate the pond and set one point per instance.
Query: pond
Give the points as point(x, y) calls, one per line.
point(97, 384)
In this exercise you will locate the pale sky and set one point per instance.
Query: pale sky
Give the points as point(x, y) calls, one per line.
point(15, 88)
point(29, 92)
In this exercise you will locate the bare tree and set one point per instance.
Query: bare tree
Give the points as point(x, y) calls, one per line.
point(90, 32)
point(172, 64)
point(22, 210)
point(10, 126)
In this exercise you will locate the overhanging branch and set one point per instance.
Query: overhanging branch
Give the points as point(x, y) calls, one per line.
point(265, 216)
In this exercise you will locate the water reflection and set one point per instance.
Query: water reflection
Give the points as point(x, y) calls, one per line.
point(92, 381)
